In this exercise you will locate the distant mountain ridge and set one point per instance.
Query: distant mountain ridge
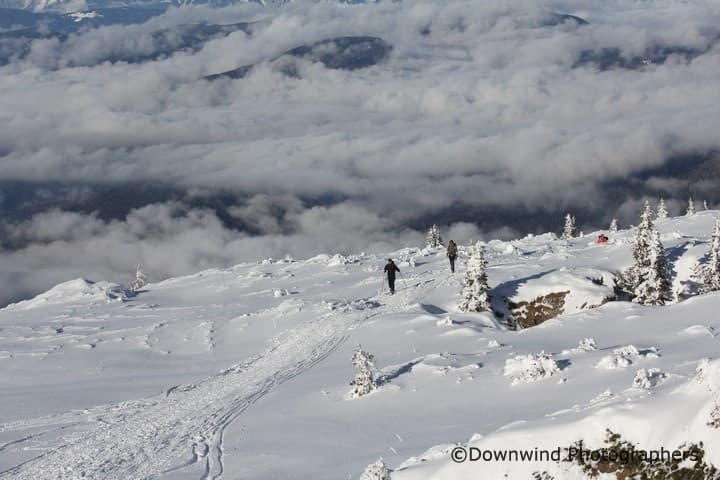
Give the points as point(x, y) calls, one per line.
point(343, 53)
point(67, 6)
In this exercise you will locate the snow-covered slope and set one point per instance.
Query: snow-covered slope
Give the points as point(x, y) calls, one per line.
point(243, 372)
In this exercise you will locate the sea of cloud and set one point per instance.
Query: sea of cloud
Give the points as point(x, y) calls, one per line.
point(480, 105)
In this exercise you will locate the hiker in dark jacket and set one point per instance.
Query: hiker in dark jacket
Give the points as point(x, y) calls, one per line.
point(452, 254)
point(390, 269)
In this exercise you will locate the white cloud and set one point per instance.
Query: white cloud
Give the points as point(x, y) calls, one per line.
point(171, 240)
point(478, 105)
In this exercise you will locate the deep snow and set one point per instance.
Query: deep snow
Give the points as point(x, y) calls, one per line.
point(244, 372)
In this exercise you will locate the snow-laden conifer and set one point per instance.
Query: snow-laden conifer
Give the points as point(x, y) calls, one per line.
point(433, 238)
point(613, 225)
point(646, 280)
point(710, 273)
point(691, 207)
point(569, 228)
point(654, 289)
point(705, 205)
point(662, 212)
point(140, 279)
point(475, 297)
point(376, 471)
point(365, 380)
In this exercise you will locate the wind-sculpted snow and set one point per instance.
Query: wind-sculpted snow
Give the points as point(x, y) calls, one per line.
point(78, 290)
point(437, 364)
point(623, 357)
point(530, 368)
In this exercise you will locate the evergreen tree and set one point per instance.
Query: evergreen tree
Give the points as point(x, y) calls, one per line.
point(710, 273)
point(376, 471)
point(646, 281)
point(691, 207)
point(475, 287)
point(140, 279)
point(655, 288)
point(705, 205)
point(434, 239)
point(365, 380)
point(662, 212)
point(569, 228)
point(613, 225)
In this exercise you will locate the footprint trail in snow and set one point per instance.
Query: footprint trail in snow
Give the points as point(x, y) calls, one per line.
point(185, 426)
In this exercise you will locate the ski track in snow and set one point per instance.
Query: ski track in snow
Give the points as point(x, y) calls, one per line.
point(185, 425)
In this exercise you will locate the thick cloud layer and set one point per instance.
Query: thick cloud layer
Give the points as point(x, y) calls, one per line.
point(481, 105)
point(169, 240)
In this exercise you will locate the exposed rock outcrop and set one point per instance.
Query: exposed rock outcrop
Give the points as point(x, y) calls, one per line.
point(530, 301)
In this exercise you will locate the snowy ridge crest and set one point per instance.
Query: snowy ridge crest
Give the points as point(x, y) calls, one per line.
point(78, 290)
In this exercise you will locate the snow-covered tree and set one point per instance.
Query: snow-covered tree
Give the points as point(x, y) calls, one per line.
point(662, 212)
point(475, 287)
point(655, 288)
point(646, 280)
point(613, 225)
point(365, 380)
point(710, 273)
point(569, 228)
point(433, 238)
point(140, 279)
point(376, 471)
point(705, 205)
point(691, 207)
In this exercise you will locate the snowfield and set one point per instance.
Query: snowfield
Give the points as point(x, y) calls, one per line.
point(243, 373)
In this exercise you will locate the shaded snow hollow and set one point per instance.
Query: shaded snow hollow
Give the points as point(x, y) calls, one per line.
point(243, 372)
